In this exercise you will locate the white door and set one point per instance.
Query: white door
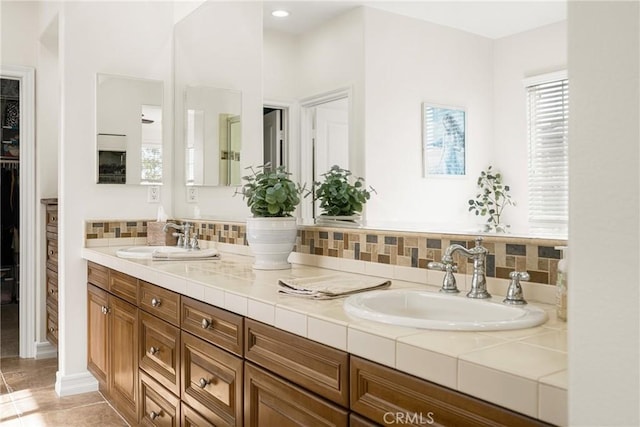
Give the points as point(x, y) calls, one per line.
point(273, 138)
point(331, 145)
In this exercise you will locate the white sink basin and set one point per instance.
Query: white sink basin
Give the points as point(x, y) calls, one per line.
point(431, 310)
point(164, 252)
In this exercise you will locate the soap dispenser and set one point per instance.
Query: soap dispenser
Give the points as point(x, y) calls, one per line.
point(561, 284)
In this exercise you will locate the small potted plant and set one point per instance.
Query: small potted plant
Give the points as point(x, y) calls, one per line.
point(271, 233)
point(342, 197)
point(491, 200)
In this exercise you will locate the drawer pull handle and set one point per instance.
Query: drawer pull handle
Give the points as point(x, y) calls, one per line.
point(203, 383)
point(153, 350)
point(206, 323)
point(155, 302)
point(153, 414)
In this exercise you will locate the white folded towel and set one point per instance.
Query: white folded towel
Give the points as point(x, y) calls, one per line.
point(211, 253)
point(330, 286)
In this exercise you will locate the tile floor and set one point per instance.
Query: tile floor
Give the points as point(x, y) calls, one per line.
point(28, 398)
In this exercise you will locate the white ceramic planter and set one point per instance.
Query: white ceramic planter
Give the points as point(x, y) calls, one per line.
point(271, 240)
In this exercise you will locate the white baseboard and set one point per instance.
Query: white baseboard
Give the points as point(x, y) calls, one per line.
point(44, 350)
point(67, 385)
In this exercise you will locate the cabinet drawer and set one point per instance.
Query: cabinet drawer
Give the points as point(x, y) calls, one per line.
point(52, 287)
point(159, 351)
point(123, 286)
point(190, 418)
point(159, 302)
point(212, 324)
point(98, 275)
point(212, 381)
point(377, 390)
point(316, 367)
point(52, 254)
point(52, 218)
point(272, 401)
point(52, 325)
point(158, 407)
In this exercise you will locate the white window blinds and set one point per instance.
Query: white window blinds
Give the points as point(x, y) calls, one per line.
point(548, 115)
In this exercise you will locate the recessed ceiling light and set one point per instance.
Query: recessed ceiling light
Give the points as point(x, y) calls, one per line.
point(280, 13)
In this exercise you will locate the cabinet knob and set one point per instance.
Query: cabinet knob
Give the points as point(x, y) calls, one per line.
point(52, 329)
point(206, 323)
point(203, 383)
point(105, 310)
point(153, 414)
point(153, 350)
point(155, 302)
point(50, 252)
point(53, 291)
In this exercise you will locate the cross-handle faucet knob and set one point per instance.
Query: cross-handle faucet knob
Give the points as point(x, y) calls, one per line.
point(449, 282)
point(514, 293)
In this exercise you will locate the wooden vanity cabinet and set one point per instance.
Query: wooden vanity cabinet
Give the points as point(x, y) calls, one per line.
point(168, 360)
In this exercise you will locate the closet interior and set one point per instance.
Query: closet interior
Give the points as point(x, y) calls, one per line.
point(10, 215)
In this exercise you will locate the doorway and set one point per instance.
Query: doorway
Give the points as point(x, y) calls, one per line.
point(19, 251)
point(325, 134)
point(275, 138)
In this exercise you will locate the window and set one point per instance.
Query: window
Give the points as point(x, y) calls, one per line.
point(548, 115)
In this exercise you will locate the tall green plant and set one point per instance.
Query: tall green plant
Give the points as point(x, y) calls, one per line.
point(270, 193)
point(491, 200)
point(338, 195)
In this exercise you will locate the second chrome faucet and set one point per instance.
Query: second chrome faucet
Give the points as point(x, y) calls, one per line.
point(478, 279)
point(185, 239)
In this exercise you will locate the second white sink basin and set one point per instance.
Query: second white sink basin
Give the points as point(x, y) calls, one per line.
point(429, 310)
point(165, 252)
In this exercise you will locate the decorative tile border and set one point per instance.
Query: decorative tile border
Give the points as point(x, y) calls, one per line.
point(409, 249)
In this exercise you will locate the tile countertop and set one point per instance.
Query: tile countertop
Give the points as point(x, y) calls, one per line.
point(524, 370)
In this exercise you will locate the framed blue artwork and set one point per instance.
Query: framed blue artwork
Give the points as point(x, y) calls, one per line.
point(444, 140)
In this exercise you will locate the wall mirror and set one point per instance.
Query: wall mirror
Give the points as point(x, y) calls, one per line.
point(386, 59)
point(129, 130)
point(213, 140)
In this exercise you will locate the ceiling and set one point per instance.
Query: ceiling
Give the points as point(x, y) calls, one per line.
point(492, 19)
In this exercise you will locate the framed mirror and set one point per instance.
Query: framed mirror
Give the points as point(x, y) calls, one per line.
point(129, 130)
point(213, 139)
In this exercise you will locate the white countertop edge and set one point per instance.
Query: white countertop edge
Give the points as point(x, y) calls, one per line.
point(292, 317)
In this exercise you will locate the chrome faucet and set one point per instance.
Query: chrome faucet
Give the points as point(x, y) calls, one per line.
point(478, 280)
point(185, 239)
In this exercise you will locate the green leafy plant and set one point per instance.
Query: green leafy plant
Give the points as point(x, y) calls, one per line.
point(270, 193)
point(340, 194)
point(491, 200)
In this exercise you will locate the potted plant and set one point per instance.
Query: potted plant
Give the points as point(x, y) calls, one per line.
point(491, 200)
point(341, 196)
point(271, 233)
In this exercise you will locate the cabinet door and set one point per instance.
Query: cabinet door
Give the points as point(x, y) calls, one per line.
point(97, 334)
point(123, 343)
point(212, 381)
point(272, 401)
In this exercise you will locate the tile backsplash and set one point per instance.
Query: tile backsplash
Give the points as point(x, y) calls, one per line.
point(409, 249)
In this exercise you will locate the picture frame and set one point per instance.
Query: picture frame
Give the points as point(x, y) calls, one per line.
point(444, 140)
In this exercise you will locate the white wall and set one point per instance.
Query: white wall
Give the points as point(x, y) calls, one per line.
point(408, 62)
point(220, 45)
point(97, 37)
point(527, 54)
point(604, 235)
